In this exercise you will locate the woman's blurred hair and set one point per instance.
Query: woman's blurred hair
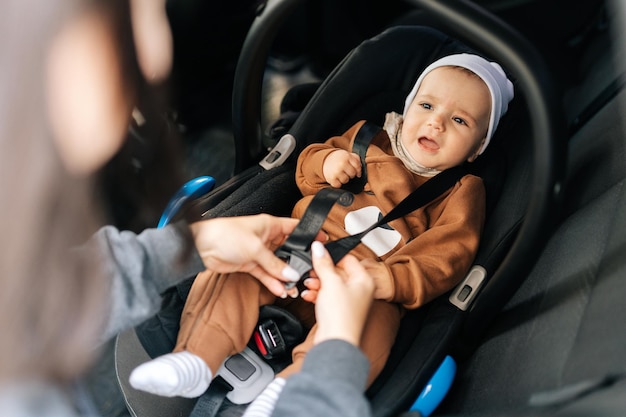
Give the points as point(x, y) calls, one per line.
point(52, 304)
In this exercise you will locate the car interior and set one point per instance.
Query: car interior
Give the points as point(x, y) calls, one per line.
point(537, 326)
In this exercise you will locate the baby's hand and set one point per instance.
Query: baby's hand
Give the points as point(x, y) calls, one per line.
point(341, 166)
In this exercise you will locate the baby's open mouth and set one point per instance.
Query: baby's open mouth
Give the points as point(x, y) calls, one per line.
point(428, 144)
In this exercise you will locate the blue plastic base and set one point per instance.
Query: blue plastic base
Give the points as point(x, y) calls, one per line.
point(436, 389)
point(191, 190)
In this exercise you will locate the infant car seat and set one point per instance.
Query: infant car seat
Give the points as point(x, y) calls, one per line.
point(372, 80)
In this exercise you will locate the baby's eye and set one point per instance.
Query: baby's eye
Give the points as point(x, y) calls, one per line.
point(426, 106)
point(459, 120)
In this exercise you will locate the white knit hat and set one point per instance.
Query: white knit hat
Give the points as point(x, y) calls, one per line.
point(500, 87)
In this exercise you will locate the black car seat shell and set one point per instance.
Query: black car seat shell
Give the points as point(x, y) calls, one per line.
point(532, 153)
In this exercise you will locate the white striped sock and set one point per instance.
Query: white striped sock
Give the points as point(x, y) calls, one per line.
point(175, 374)
point(264, 404)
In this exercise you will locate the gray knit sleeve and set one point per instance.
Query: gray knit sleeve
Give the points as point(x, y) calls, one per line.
point(331, 383)
point(139, 268)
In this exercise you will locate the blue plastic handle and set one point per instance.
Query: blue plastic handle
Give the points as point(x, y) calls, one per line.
point(436, 389)
point(190, 190)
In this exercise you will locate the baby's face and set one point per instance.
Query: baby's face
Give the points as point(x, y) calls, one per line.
point(447, 122)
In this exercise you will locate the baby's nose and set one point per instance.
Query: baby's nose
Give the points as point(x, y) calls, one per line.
point(435, 121)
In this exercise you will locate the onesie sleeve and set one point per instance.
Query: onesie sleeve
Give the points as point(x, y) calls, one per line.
point(438, 258)
point(309, 174)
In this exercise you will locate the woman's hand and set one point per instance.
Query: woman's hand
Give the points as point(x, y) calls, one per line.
point(345, 294)
point(246, 244)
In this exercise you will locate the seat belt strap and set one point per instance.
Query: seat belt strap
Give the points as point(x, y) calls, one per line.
point(209, 403)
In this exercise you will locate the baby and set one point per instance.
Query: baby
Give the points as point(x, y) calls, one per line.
point(449, 118)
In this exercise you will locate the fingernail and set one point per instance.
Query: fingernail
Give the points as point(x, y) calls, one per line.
point(294, 294)
point(317, 249)
point(291, 274)
point(283, 295)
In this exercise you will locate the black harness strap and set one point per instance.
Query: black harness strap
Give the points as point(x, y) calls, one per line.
point(297, 246)
point(209, 403)
point(296, 250)
point(423, 195)
point(362, 141)
point(324, 199)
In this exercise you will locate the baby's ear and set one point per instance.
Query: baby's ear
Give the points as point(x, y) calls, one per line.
point(474, 155)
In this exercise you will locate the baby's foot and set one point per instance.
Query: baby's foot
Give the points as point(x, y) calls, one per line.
point(175, 374)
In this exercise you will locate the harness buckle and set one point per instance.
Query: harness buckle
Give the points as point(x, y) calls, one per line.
point(269, 339)
point(298, 259)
